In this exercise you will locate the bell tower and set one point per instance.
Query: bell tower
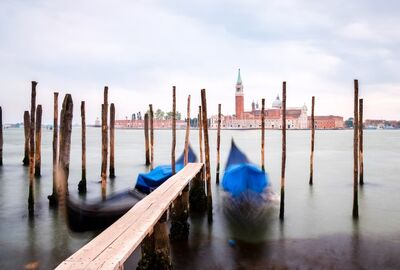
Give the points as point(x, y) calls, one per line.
point(239, 97)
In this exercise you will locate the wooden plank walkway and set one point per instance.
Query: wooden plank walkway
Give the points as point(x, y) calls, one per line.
point(111, 248)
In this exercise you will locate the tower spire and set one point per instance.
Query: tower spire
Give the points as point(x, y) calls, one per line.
point(239, 78)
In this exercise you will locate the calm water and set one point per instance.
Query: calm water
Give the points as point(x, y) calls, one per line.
point(318, 231)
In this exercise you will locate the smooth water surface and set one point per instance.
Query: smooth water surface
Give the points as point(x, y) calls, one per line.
point(318, 230)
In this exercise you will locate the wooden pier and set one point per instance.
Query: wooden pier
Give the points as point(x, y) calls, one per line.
point(111, 248)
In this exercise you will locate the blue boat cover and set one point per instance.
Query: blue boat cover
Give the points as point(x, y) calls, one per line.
point(241, 175)
point(147, 182)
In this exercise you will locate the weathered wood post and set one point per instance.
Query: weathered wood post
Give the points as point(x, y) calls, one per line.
point(312, 141)
point(32, 130)
point(355, 152)
point(1, 136)
point(197, 193)
point(200, 135)
point(146, 138)
point(25, 161)
point(65, 147)
point(186, 157)
point(82, 186)
point(38, 152)
point(218, 143)
point(151, 137)
point(112, 140)
point(361, 147)
point(173, 130)
point(282, 204)
point(155, 248)
point(104, 136)
point(207, 153)
point(262, 134)
point(53, 200)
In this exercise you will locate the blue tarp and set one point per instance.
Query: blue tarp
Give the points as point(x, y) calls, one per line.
point(241, 175)
point(147, 182)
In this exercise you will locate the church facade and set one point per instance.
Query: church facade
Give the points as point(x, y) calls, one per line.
point(296, 117)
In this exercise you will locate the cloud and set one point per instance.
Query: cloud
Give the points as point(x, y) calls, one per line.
point(141, 48)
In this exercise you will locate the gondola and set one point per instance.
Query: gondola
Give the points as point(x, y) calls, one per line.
point(241, 176)
point(102, 213)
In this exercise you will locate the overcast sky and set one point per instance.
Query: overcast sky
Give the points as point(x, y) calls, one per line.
point(141, 48)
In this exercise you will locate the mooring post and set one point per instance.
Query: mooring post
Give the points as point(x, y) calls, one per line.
point(146, 138)
point(200, 135)
point(197, 193)
point(312, 141)
point(104, 136)
point(207, 153)
point(112, 140)
point(31, 198)
point(151, 137)
point(262, 134)
point(355, 152)
point(173, 130)
point(1, 136)
point(65, 146)
point(218, 143)
point(186, 157)
point(38, 142)
point(32, 130)
point(283, 167)
point(361, 147)
point(82, 186)
point(53, 200)
point(25, 161)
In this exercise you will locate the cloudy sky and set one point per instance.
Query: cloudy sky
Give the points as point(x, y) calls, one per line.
point(141, 48)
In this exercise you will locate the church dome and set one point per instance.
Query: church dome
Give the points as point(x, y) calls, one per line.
point(277, 103)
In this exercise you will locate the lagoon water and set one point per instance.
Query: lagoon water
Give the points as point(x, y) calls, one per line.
point(318, 230)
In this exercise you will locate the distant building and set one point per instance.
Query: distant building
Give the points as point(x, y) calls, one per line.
point(158, 124)
point(327, 122)
point(381, 124)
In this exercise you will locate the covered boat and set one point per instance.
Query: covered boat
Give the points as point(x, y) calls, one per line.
point(101, 213)
point(147, 182)
point(241, 175)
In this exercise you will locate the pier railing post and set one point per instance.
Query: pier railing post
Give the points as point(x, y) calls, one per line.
point(53, 200)
point(173, 130)
point(312, 141)
point(38, 158)
point(361, 142)
point(112, 140)
point(82, 186)
point(283, 166)
point(207, 154)
point(218, 144)
point(355, 152)
point(25, 161)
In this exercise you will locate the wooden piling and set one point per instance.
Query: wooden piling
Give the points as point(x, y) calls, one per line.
point(65, 146)
point(361, 142)
point(200, 135)
point(179, 216)
point(218, 143)
point(104, 136)
point(197, 194)
point(355, 152)
point(173, 130)
point(25, 161)
point(151, 137)
point(186, 151)
point(112, 140)
point(312, 141)
point(38, 154)
point(263, 134)
point(146, 138)
point(1, 136)
point(283, 167)
point(32, 130)
point(53, 200)
point(82, 186)
point(207, 153)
